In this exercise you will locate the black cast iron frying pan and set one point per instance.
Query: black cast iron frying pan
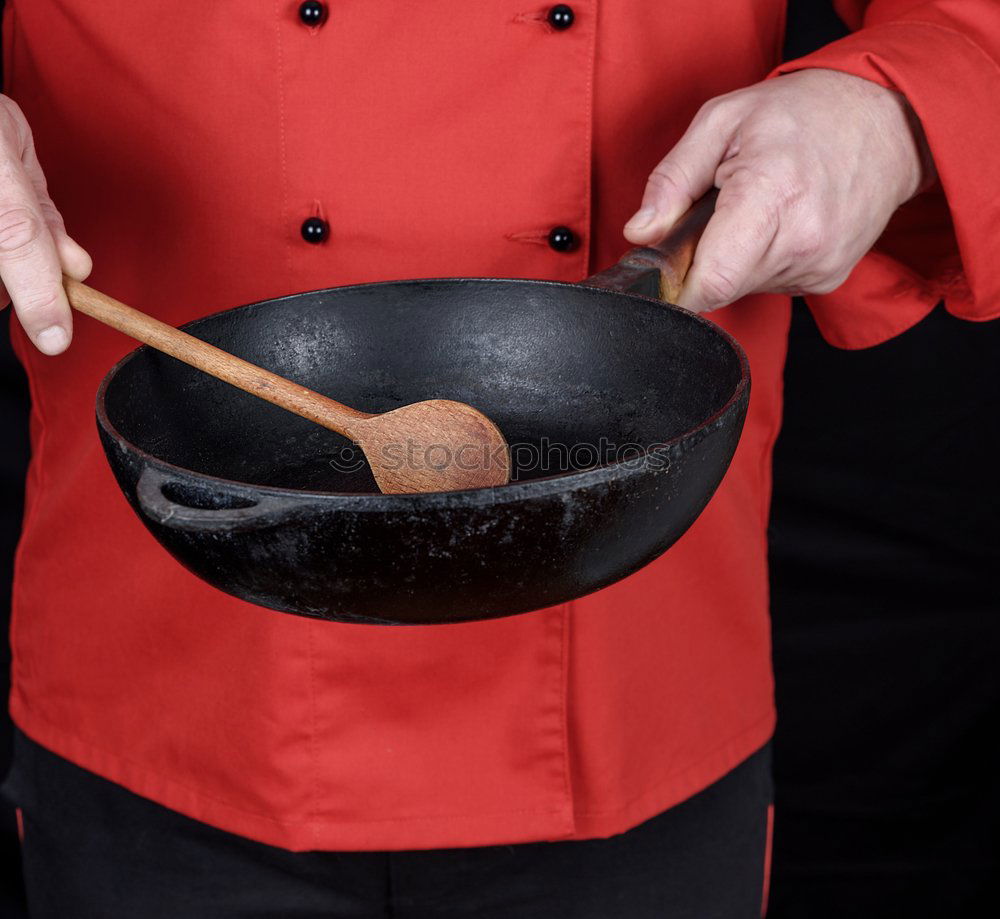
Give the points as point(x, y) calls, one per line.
point(623, 414)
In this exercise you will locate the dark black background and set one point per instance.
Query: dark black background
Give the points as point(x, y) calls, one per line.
point(13, 462)
point(885, 553)
point(14, 406)
point(886, 615)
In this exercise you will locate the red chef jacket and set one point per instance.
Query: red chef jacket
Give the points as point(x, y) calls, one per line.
point(186, 142)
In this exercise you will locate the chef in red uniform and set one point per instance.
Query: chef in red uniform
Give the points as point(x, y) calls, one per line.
point(187, 754)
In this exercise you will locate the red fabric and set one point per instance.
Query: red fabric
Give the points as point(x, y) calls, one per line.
point(944, 56)
point(185, 143)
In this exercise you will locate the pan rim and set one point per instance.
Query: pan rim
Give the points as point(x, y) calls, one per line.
point(502, 494)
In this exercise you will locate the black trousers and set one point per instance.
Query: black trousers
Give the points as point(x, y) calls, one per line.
point(885, 600)
point(92, 850)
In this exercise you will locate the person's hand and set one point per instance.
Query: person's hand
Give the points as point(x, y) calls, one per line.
point(34, 247)
point(810, 166)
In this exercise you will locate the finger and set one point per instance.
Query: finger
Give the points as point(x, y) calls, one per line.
point(734, 255)
point(30, 267)
point(75, 260)
point(685, 174)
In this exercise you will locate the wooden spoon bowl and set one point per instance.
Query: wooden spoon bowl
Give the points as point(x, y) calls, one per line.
point(438, 445)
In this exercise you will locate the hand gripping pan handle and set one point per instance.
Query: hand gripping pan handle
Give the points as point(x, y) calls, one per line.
point(659, 271)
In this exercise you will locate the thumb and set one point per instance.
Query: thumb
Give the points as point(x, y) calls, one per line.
point(685, 174)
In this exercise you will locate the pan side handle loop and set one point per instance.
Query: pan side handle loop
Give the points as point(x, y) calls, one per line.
point(660, 271)
point(174, 503)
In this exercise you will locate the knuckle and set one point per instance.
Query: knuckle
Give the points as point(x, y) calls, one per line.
point(781, 169)
point(718, 285)
point(19, 229)
point(821, 281)
point(741, 189)
point(826, 284)
point(769, 220)
point(778, 178)
point(786, 188)
point(737, 179)
point(780, 122)
point(36, 304)
point(708, 110)
point(746, 190)
point(809, 241)
point(716, 111)
point(13, 124)
point(10, 107)
point(10, 110)
point(670, 178)
point(778, 199)
point(50, 214)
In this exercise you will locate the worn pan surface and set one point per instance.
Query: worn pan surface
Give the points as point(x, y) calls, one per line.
point(623, 414)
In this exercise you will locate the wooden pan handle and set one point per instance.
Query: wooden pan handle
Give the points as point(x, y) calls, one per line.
point(659, 271)
point(213, 361)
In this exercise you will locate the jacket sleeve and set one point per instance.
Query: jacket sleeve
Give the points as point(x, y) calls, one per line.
point(944, 57)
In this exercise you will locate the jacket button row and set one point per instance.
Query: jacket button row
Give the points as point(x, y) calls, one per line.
point(312, 13)
point(561, 17)
point(315, 230)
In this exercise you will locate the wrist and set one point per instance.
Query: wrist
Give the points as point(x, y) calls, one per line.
point(898, 143)
point(909, 155)
point(927, 167)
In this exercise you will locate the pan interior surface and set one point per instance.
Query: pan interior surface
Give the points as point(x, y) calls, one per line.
point(574, 377)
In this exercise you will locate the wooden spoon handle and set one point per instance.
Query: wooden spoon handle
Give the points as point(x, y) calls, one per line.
point(214, 361)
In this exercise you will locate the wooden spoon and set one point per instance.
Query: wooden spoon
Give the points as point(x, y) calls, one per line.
point(437, 445)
